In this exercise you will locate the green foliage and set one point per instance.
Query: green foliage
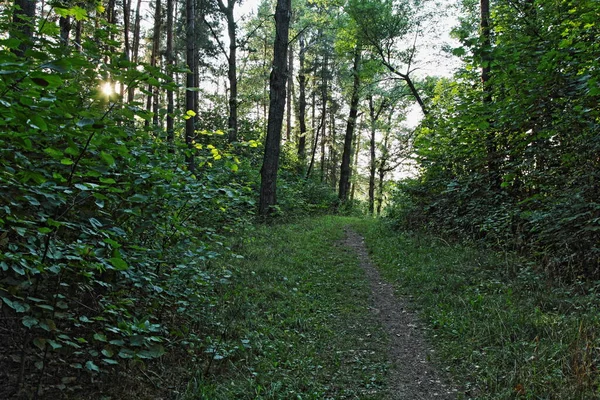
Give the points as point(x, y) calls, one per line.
point(503, 330)
point(518, 168)
point(105, 239)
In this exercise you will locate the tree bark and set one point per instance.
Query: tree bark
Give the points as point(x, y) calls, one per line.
point(345, 169)
point(135, 48)
point(302, 99)
point(170, 65)
point(191, 83)
point(290, 92)
point(152, 100)
point(278, 78)
point(232, 120)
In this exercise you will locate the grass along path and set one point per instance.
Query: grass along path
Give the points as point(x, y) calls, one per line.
point(503, 330)
point(294, 322)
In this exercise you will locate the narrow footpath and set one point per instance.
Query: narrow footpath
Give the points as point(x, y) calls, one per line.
point(413, 377)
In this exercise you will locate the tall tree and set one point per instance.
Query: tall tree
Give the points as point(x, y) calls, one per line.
point(169, 67)
point(345, 169)
point(302, 98)
point(277, 83)
point(232, 121)
point(191, 104)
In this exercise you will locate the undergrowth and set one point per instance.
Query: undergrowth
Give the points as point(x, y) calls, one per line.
point(504, 330)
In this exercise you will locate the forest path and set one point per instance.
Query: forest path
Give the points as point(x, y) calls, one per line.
point(412, 376)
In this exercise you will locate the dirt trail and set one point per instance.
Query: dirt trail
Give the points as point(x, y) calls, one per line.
point(413, 376)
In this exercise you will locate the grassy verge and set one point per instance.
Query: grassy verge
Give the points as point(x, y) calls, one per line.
point(294, 321)
point(503, 330)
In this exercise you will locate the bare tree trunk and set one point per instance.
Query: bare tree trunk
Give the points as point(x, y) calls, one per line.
point(373, 127)
point(190, 80)
point(152, 100)
point(290, 93)
point(334, 154)
point(324, 89)
point(170, 65)
point(232, 120)
point(355, 163)
point(135, 48)
point(302, 100)
point(65, 29)
point(345, 170)
point(126, 28)
point(279, 75)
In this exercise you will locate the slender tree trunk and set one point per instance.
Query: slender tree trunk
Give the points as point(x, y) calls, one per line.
point(324, 93)
point(334, 153)
point(345, 170)
point(302, 100)
point(373, 123)
point(232, 120)
point(279, 75)
point(170, 65)
point(135, 48)
point(126, 28)
point(355, 164)
point(190, 81)
point(290, 93)
point(65, 30)
point(23, 23)
point(152, 100)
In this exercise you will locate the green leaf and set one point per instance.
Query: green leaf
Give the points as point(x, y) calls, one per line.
point(40, 343)
point(107, 158)
point(119, 264)
point(37, 122)
point(66, 161)
point(91, 366)
point(29, 321)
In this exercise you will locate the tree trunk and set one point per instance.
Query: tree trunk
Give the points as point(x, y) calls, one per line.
point(345, 170)
point(302, 100)
point(232, 120)
point(152, 100)
point(190, 81)
point(355, 163)
point(268, 184)
point(373, 123)
point(170, 65)
point(135, 48)
point(324, 89)
point(23, 23)
point(65, 30)
point(126, 28)
point(290, 92)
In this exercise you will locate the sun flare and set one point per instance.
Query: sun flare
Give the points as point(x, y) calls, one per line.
point(107, 88)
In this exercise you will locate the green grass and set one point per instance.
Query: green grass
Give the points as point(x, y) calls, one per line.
point(503, 330)
point(294, 321)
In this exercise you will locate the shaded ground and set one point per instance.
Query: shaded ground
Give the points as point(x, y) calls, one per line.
point(413, 376)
